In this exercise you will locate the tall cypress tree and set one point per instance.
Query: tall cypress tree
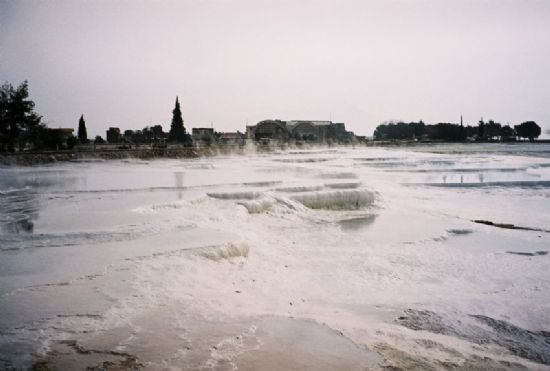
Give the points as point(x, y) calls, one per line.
point(82, 133)
point(177, 130)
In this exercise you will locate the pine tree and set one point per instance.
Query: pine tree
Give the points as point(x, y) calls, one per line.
point(82, 133)
point(177, 130)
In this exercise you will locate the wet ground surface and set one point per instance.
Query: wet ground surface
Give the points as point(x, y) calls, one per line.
point(320, 259)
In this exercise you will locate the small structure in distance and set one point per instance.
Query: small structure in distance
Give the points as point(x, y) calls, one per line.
point(310, 131)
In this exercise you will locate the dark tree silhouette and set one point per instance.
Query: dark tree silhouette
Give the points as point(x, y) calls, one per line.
point(493, 130)
point(416, 130)
point(443, 131)
point(399, 130)
point(447, 131)
point(507, 133)
point(19, 124)
point(177, 130)
point(72, 141)
point(82, 133)
point(481, 130)
point(452, 132)
point(99, 140)
point(528, 129)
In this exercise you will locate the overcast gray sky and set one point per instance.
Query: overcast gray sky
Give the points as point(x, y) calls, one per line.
point(122, 63)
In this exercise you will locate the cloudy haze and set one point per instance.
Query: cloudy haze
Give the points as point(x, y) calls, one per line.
point(122, 63)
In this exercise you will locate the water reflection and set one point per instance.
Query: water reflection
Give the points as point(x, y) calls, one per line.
point(18, 209)
point(20, 193)
point(355, 224)
point(178, 176)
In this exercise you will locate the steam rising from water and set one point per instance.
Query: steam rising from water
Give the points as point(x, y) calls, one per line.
point(150, 263)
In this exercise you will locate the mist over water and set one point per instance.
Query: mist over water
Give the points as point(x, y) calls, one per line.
point(335, 258)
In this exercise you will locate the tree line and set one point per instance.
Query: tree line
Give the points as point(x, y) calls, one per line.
point(21, 128)
point(154, 134)
point(484, 131)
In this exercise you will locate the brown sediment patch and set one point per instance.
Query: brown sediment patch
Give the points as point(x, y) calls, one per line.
point(70, 355)
point(459, 232)
point(530, 345)
point(171, 338)
point(399, 360)
point(534, 253)
point(509, 226)
point(37, 158)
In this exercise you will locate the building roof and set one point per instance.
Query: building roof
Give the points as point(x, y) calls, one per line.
point(313, 122)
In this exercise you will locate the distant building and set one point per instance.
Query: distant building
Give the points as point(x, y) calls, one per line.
point(113, 135)
point(62, 133)
point(153, 134)
point(232, 138)
point(299, 130)
point(56, 138)
point(158, 133)
point(204, 136)
point(129, 134)
point(268, 129)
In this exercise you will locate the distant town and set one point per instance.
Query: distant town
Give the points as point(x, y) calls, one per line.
point(264, 133)
point(22, 130)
